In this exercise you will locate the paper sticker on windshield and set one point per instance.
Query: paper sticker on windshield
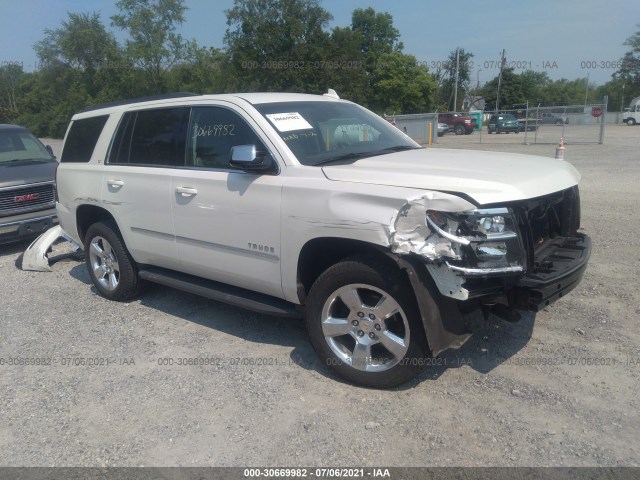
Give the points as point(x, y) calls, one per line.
point(286, 122)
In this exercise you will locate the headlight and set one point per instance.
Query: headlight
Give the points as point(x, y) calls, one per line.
point(485, 241)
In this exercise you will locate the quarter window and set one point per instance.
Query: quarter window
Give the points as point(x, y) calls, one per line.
point(82, 139)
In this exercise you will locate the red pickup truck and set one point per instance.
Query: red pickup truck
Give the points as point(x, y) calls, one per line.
point(459, 123)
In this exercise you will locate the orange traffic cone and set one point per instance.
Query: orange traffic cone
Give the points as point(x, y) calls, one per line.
point(560, 150)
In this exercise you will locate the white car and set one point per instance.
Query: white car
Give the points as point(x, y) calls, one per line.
point(293, 204)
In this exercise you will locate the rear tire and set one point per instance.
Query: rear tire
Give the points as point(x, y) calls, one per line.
point(111, 268)
point(364, 323)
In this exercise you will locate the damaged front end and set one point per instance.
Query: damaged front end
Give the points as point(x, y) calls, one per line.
point(523, 255)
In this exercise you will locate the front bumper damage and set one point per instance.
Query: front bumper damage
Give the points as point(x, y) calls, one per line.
point(554, 259)
point(563, 262)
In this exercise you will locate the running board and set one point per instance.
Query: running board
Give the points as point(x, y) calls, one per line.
point(220, 292)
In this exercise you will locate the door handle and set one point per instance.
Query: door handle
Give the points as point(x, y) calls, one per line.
point(187, 191)
point(115, 183)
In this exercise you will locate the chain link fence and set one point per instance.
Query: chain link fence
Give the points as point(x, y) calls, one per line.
point(576, 124)
point(546, 125)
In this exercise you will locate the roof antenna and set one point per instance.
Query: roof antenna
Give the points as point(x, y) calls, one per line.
point(332, 93)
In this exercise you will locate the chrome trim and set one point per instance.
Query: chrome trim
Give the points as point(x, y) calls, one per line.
point(229, 248)
point(484, 271)
point(204, 243)
point(27, 185)
point(448, 236)
point(494, 237)
point(488, 211)
point(153, 232)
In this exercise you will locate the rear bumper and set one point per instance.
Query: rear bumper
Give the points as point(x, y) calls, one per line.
point(25, 226)
point(566, 260)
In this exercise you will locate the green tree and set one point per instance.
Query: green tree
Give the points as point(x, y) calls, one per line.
point(11, 76)
point(376, 33)
point(206, 72)
point(278, 45)
point(629, 72)
point(51, 96)
point(351, 80)
point(534, 86)
point(375, 36)
point(510, 90)
point(81, 42)
point(402, 86)
point(461, 60)
point(153, 44)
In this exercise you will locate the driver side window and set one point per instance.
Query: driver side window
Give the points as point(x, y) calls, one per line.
point(212, 133)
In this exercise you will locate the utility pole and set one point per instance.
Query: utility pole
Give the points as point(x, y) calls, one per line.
point(455, 90)
point(502, 62)
point(586, 92)
point(622, 100)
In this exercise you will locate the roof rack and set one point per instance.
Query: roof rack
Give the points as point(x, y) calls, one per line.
point(117, 103)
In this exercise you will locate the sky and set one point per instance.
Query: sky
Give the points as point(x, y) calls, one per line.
point(567, 39)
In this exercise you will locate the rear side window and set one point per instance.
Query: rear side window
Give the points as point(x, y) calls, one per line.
point(152, 137)
point(82, 139)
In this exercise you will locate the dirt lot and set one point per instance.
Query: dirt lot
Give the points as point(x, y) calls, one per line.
point(557, 388)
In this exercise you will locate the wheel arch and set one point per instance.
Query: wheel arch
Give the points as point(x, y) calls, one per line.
point(87, 215)
point(318, 254)
point(441, 317)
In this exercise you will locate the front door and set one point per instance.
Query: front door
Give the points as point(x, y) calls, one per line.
point(227, 222)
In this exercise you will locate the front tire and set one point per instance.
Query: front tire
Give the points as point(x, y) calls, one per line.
point(631, 122)
point(364, 323)
point(459, 130)
point(111, 268)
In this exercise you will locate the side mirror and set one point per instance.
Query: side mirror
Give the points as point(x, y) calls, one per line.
point(246, 157)
point(50, 150)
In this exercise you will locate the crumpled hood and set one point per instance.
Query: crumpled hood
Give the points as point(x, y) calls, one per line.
point(486, 177)
point(12, 175)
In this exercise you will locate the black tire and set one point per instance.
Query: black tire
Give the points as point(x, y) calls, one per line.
point(113, 272)
point(517, 131)
point(631, 122)
point(459, 130)
point(373, 280)
point(559, 122)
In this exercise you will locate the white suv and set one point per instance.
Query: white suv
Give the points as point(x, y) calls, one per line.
point(292, 204)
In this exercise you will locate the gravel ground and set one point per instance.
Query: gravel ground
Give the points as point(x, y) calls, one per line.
point(559, 388)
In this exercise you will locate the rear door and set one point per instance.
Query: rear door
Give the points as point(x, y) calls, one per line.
point(148, 146)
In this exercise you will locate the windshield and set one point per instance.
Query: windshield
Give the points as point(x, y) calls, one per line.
point(17, 147)
point(319, 133)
